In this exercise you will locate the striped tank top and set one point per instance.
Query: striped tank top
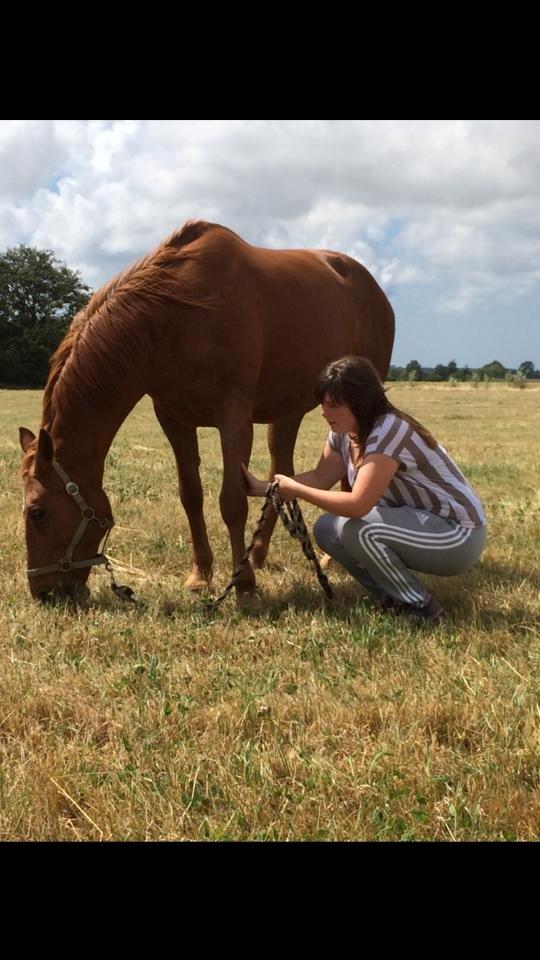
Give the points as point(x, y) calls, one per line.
point(426, 479)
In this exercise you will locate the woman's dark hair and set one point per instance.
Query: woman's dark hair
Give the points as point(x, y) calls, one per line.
point(355, 382)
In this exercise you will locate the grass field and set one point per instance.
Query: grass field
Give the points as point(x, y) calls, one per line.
point(302, 719)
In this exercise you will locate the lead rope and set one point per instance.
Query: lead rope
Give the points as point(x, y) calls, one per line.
point(120, 590)
point(295, 525)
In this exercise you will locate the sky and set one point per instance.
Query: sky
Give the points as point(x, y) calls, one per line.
point(444, 213)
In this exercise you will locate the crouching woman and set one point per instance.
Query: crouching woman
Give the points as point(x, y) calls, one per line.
point(410, 509)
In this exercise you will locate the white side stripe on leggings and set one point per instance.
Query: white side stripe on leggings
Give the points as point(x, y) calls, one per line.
point(371, 536)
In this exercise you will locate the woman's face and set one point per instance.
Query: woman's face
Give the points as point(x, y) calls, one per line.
point(338, 416)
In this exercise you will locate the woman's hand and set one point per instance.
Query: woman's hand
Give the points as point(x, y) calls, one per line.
point(288, 488)
point(254, 487)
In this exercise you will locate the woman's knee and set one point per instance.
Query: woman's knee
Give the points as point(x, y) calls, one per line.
point(352, 537)
point(325, 531)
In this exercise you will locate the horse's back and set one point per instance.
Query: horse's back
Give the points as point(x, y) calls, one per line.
point(282, 315)
point(319, 293)
point(315, 306)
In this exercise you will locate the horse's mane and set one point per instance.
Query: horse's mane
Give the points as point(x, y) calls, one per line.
point(151, 278)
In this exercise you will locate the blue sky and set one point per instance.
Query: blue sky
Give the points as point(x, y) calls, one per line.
point(445, 213)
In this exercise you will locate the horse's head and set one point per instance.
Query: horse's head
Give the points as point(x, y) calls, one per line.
point(64, 525)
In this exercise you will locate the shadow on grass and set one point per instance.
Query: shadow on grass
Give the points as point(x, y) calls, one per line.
point(460, 596)
point(511, 576)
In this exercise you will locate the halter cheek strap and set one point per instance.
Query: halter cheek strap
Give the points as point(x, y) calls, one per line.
point(87, 515)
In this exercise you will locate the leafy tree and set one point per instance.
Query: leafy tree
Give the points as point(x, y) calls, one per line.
point(413, 365)
point(38, 298)
point(527, 368)
point(493, 371)
point(440, 372)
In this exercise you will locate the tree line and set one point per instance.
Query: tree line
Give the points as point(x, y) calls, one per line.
point(39, 296)
point(451, 372)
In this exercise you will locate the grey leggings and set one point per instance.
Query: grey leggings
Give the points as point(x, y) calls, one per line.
point(382, 548)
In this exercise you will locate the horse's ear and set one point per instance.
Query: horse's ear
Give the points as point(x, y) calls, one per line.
point(26, 437)
point(45, 449)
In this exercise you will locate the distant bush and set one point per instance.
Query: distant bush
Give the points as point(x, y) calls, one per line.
point(517, 379)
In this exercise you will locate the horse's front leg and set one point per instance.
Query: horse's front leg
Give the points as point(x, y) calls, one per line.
point(236, 433)
point(281, 440)
point(183, 440)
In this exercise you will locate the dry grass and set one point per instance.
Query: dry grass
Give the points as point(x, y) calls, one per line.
point(301, 720)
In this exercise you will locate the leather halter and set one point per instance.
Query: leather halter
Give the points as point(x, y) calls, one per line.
point(87, 515)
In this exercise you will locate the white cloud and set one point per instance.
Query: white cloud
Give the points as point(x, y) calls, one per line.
point(448, 206)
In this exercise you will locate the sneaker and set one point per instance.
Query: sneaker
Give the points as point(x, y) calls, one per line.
point(388, 603)
point(431, 612)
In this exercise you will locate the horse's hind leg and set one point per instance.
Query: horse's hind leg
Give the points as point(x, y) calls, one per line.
point(183, 440)
point(281, 440)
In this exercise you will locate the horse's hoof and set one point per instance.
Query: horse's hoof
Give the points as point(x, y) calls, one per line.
point(248, 601)
point(197, 584)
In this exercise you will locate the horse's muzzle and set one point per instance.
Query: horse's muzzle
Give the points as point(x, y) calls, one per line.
point(76, 593)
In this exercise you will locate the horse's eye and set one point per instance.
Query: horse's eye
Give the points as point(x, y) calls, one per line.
point(37, 513)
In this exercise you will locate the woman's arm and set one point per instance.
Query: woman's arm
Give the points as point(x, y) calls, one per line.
point(329, 470)
point(374, 475)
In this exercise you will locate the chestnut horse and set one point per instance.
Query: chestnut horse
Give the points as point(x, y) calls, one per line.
point(220, 334)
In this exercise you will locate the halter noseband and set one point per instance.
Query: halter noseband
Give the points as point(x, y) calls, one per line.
point(87, 515)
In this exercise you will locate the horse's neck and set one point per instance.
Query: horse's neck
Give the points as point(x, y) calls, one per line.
point(83, 447)
point(86, 420)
